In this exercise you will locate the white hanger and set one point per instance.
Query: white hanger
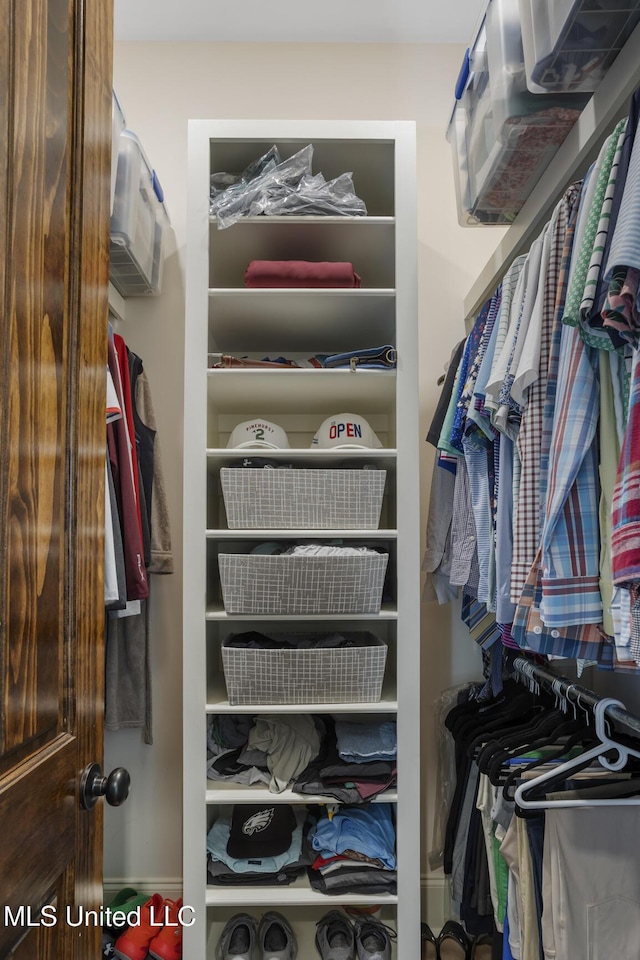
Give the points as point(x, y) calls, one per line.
point(595, 753)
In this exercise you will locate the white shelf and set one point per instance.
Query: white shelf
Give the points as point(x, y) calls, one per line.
point(299, 893)
point(217, 702)
point(257, 392)
point(289, 220)
point(387, 612)
point(300, 320)
point(303, 923)
point(232, 793)
point(117, 304)
point(224, 534)
point(385, 459)
point(368, 243)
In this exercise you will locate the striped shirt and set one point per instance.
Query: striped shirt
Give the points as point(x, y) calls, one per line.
point(592, 212)
point(625, 243)
point(528, 512)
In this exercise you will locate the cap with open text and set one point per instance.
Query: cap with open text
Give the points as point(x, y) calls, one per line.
point(258, 433)
point(346, 430)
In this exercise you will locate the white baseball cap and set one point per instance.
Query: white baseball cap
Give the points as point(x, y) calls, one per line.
point(346, 430)
point(258, 433)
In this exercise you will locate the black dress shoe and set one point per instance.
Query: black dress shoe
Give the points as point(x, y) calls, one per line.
point(428, 943)
point(482, 947)
point(454, 943)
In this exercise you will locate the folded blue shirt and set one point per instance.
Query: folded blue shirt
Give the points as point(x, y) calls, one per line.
point(369, 830)
point(360, 742)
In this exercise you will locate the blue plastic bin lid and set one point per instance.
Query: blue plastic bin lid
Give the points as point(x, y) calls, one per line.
point(463, 76)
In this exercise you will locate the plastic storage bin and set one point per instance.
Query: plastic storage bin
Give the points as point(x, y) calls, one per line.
point(502, 135)
point(285, 583)
point(138, 223)
point(117, 126)
point(331, 675)
point(291, 499)
point(570, 44)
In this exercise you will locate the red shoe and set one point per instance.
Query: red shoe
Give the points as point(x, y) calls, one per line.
point(134, 943)
point(167, 944)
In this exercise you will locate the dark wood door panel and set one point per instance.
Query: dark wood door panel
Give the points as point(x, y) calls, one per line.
point(55, 117)
point(37, 858)
point(40, 148)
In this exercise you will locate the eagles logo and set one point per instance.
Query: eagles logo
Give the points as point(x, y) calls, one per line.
point(258, 822)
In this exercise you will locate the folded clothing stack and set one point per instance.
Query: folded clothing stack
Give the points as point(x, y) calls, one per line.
point(259, 845)
point(304, 751)
point(355, 851)
point(358, 779)
point(300, 273)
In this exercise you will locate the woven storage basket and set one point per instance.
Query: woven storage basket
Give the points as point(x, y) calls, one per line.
point(285, 583)
point(332, 675)
point(292, 499)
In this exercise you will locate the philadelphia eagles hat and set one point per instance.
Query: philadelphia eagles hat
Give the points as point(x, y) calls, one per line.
point(260, 831)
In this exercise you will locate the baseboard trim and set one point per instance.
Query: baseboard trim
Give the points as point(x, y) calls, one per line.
point(435, 901)
point(169, 887)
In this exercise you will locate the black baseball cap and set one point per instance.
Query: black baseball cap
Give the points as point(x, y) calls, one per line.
point(260, 831)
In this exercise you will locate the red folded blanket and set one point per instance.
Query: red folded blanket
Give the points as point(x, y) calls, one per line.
point(300, 273)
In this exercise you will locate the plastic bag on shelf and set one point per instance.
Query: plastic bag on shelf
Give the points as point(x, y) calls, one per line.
point(280, 188)
point(315, 196)
point(245, 199)
point(222, 182)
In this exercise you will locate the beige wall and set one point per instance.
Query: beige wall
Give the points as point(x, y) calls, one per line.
point(161, 86)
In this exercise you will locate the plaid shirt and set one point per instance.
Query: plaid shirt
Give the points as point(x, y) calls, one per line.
point(625, 541)
point(571, 530)
point(528, 512)
point(584, 641)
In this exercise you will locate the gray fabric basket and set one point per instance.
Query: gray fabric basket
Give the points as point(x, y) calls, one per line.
point(285, 583)
point(292, 499)
point(334, 675)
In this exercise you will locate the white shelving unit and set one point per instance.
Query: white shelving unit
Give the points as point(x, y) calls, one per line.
point(224, 317)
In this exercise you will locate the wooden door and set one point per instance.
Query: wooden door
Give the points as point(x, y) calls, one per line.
point(55, 122)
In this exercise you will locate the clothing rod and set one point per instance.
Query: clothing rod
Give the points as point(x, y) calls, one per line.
point(565, 687)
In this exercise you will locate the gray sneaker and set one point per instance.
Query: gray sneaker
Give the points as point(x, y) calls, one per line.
point(276, 938)
point(335, 939)
point(373, 939)
point(237, 939)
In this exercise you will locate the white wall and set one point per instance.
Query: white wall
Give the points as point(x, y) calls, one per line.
point(161, 86)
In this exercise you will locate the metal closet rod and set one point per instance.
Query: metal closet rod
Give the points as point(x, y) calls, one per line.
point(572, 692)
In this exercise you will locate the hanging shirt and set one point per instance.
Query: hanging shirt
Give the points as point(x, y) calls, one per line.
point(623, 170)
point(527, 523)
point(507, 416)
point(625, 243)
point(571, 532)
point(602, 232)
point(625, 540)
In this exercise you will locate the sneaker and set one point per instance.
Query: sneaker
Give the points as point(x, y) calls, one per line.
point(373, 939)
point(237, 939)
point(134, 943)
point(335, 939)
point(276, 938)
point(167, 944)
point(108, 946)
point(125, 901)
